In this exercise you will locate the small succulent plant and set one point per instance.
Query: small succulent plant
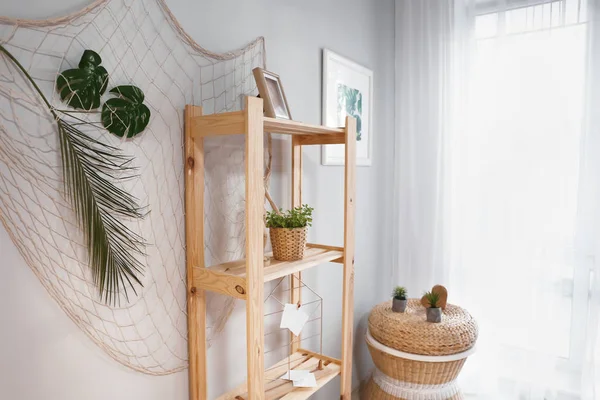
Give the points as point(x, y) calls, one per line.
point(433, 298)
point(399, 293)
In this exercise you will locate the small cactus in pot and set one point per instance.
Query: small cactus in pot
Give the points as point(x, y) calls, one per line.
point(434, 311)
point(399, 300)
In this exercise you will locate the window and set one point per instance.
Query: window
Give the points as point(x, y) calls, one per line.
point(514, 196)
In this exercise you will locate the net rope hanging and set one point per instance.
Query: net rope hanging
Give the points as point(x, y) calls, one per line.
point(140, 43)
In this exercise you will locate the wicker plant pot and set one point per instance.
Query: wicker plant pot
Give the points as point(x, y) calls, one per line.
point(288, 244)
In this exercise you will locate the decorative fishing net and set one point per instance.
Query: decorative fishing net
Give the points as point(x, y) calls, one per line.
point(140, 43)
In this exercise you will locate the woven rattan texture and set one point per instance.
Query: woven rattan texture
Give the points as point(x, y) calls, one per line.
point(288, 244)
point(428, 373)
point(411, 333)
point(373, 392)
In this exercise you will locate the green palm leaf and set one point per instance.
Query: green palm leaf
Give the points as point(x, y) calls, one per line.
point(90, 171)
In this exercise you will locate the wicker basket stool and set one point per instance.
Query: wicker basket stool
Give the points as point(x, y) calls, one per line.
point(416, 359)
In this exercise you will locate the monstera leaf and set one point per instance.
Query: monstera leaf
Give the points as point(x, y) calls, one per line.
point(82, 87)
point(125, 115)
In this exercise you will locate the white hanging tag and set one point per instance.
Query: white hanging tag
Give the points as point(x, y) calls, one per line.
point(293, 318)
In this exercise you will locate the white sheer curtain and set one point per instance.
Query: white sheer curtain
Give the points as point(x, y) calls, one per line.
point(426, 37)
point(589, 232)
point(498, 177)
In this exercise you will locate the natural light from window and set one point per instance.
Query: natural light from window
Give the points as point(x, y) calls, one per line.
point(515, 176)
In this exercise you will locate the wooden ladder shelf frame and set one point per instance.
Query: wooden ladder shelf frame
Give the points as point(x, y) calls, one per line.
point(248, 284)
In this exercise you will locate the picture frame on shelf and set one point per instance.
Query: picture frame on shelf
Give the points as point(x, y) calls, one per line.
point(347, 91)
point(271, 91)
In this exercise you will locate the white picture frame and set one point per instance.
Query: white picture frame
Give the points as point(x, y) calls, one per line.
point(345, 80)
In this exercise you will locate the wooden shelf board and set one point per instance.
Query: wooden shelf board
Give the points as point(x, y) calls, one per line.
point(276, 388)
point(290, 127)
point(232, 123)
point(229, 123)
point(230, 278)
point(313, 255)
point(307, 140)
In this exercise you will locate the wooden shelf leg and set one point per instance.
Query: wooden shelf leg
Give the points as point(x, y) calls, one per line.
point(296, 279)
point(348, 285)
point(255, 200)
point(194, 232)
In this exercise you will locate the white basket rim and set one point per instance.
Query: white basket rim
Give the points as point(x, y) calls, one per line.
point(417, 357)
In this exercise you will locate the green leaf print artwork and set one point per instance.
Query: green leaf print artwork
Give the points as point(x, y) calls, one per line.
point(349, 103)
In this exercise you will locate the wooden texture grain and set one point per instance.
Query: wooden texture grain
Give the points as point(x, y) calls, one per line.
point(274, 372)
point(281, 389)
point(339, 260)
point(324, 247)
point(290, 127)
point(296, 278)
point(320, 356)
point(255, 195)
point(313, 256)
point(230, 123)
point(334, 138)
point(220, 282)
point(194, 232)
point(318, 257)
point(289, 392)
point(348, 284)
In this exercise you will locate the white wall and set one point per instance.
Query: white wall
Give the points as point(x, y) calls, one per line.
point(43, 355)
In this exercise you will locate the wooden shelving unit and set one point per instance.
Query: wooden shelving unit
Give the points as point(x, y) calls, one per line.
point(244, 279)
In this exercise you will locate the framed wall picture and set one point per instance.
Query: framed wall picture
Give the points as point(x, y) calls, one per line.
point(271, 91)
point(347, 91)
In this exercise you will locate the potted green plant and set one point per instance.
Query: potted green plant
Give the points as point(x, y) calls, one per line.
point(399, 300)
point(434, 311)
point(288, 232)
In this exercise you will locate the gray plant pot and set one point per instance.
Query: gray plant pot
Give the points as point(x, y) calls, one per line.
point(399, 305)
point(434, 315)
